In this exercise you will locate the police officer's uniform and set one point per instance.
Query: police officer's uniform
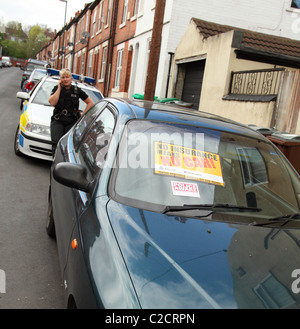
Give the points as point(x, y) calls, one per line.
point(66, 112)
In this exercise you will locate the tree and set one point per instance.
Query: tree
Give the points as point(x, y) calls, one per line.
point(21, 44)
point(36, 38)
point(16, 28)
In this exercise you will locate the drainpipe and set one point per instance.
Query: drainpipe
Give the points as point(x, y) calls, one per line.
point(170, 65)
point(113, 24)
point(73, 50)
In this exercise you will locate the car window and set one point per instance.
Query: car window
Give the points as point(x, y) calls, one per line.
point(93, 148)
point(93, 94)
point(163, 164)
point(84, 123)
point(44, 92)
point(31, 66)
point(37, 75)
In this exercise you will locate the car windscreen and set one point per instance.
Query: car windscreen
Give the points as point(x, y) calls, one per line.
point(93, 94)
point(44, 91)
point(37, 75)
point(32, 66)
point(162, 164)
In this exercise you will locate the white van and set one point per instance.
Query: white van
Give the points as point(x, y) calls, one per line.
point(6, 61)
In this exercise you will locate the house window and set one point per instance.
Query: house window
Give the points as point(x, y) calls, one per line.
point(79, 30)
point(141, 7)
point(87, 21)
point(90, 64)
point(103, 65)
point(75, 64)
point(94, 23)
point(135, 7)
point(100, 20)
point(108, 12)
point(82, 63)
point(119, 68)
point(295, 4)
point(124, 12)
point(255, 85)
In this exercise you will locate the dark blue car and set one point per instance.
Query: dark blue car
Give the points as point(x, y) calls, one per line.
point(156, 206)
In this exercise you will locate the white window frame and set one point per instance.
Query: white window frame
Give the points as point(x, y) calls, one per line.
point(82, 62)
point(119, 68)
point(94, 23)
point(124, 12)
point(103, 64)
point(90, 63)
point(100, 19)
point(135, 10)
point(108, 12)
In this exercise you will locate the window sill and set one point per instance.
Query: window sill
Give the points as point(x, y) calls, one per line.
point(122, 25)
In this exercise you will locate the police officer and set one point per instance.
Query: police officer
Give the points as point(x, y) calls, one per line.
point(65, 99)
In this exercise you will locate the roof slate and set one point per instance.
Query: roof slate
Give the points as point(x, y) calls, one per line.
point(260, 41)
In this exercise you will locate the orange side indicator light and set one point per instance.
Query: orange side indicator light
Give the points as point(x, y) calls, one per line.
point(74, 244)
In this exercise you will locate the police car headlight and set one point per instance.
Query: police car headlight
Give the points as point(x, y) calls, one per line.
point(38, 129)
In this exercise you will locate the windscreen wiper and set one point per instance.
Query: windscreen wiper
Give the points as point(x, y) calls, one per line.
point(210, 206)
point(284, 218)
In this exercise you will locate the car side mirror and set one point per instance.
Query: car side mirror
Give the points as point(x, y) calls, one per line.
point(22, 95)
point(72, 175)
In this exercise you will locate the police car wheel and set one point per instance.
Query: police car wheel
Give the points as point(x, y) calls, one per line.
point(16, 144)
point(50, 227)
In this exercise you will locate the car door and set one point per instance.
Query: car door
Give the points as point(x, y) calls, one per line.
point(90, 152)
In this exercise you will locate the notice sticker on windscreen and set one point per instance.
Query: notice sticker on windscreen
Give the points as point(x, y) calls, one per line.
point(179, 161)
point(185, 189)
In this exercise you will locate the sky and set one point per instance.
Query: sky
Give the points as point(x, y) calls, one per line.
point(41, 12)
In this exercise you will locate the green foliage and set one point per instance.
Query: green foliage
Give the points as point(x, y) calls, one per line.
point(22, 45)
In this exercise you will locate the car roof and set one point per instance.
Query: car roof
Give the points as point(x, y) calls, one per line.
point(39, 70)
point(55, 78)
point(36, 61)
point(141, 109)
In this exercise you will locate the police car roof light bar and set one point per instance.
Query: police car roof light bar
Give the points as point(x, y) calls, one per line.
point(78, 77)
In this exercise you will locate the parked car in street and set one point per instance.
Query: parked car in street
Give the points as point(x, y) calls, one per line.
point(32, 136)
point(30, 65)
point(156, 206)
point(6, 61)
point(34, 77)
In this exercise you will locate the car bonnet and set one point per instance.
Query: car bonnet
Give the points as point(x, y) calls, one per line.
point(179, 262)
point(39, 114)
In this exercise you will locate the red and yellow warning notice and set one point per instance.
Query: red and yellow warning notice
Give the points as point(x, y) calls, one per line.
point(188, 163)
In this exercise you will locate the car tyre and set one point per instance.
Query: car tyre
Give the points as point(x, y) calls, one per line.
point(16, 143)
point(50, 227)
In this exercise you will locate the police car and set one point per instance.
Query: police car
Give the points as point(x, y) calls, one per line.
point(32, 136)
